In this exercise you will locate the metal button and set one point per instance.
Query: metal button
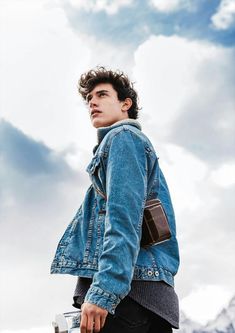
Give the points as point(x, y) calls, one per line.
point(150, 273)
point(156, 273)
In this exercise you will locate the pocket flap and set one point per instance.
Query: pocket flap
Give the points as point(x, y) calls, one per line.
point(93, 165)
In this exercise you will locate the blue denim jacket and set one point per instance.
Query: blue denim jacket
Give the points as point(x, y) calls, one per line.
point(103, 239)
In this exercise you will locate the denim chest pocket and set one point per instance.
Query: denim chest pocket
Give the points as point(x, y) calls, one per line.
point(93, 165)
point(96, 174)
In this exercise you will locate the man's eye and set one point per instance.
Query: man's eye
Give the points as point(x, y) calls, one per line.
point(102, 94)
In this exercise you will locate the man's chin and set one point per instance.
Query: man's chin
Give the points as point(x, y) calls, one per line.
point(96, 123)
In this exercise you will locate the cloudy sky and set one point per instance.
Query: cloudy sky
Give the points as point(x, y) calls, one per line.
point(181, 55)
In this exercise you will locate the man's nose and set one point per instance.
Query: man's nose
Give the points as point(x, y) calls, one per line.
point(93, 102)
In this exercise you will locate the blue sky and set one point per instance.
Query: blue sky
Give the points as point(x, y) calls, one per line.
point(180, 54)
point(132, 24)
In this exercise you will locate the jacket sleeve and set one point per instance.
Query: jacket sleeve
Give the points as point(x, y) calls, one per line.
point(126, 187)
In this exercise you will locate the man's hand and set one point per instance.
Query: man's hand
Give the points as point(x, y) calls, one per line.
point(92, 318)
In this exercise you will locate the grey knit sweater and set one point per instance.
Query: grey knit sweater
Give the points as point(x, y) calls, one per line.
point(157, 297)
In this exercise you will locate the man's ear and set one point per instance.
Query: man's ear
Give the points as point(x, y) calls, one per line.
point(127, 103)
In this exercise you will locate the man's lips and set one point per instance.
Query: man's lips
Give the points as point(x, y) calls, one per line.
point(95, 112)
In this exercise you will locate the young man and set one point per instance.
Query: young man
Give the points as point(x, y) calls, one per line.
point(122, 287)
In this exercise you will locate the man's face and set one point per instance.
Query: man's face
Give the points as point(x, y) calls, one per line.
point(104, 107)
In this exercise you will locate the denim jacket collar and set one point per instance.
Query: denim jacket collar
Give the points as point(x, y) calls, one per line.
point(102, 131)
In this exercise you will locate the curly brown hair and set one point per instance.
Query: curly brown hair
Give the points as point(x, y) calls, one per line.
point(119, 81)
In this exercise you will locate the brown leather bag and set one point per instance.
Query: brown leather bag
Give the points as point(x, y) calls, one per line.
point(155, 228)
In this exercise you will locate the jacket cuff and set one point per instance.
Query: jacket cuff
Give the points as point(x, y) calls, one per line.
point(102, 299)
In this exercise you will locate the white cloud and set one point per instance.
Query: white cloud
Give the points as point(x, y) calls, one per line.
point(204, 303)
point(224, 176)
point(178, 165)
point(174, 78)
point(172, 5)
point(224, 18)
point(109, 6)
point(165, 72)
point(40, 66)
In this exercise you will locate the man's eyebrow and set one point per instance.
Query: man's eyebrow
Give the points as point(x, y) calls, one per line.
point(103, 90)
point(97, 92)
